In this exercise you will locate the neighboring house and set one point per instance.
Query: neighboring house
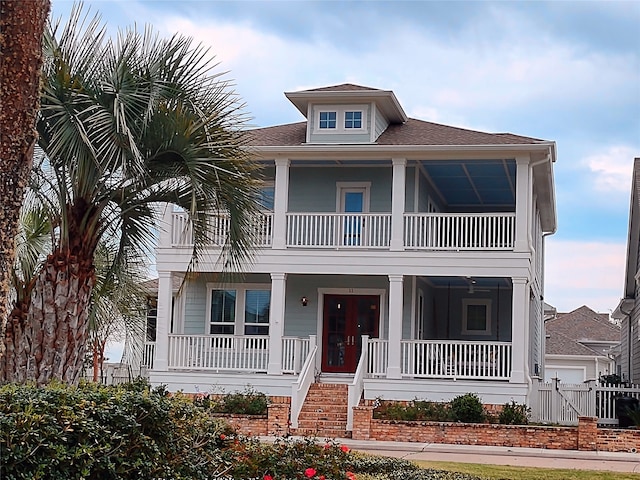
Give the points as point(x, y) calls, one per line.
point(409, 251)
point(579, 346)
point(628, 310)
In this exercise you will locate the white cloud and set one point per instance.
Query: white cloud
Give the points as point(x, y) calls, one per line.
point(612, 169)
point(584, 273)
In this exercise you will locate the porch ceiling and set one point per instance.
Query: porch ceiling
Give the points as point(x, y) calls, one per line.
point(459, 184)
point(473, 183)
point(464, 282)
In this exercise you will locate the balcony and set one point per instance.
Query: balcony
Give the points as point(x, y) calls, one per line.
point(421, 231)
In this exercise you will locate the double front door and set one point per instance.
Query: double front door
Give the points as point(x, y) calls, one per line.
point(346, 319)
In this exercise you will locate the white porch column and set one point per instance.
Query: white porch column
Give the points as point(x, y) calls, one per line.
point(397, 203)
point(520, 331)
point(276, 322)
point(280, 204)
point(396, 294)
point(165, 301)
point(523, 172)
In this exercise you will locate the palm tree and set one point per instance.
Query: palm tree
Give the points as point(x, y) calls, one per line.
point(127, 125)
point(21, 27)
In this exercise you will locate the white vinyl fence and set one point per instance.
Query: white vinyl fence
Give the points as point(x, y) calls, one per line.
point(562, 403)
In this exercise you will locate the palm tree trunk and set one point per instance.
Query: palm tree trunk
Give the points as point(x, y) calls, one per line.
point(51, 343)
point(21, 27)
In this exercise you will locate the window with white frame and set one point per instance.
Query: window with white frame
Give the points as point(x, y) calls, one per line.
point(476, 316)
point(241, 310)
point(257, 304)
point(327, 120)
point(340, 118)
point(223, 312)
point(353, 119)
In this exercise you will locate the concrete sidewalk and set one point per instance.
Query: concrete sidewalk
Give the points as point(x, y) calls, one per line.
point(516, 456)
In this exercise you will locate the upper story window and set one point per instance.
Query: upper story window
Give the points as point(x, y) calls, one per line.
point(328, 120)
point(267, 195)
point(353, 119)
point(340, 119)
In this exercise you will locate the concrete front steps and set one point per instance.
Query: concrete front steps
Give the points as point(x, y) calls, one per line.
point(324, 413)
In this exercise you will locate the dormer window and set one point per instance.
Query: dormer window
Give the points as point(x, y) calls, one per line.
point(353, 119)
point(340, 119)
point(327, 120)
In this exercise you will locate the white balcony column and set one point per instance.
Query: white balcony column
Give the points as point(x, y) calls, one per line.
point(520, 331)
point(397, 203)
point(396, 296)
point(165, 212)
point(523, 198)
point(163, 322)
point(280, 203)
point(276, 322)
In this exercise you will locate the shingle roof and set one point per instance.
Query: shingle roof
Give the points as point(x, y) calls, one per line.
point(413, 132)
point(567, 331)
point(344, 87)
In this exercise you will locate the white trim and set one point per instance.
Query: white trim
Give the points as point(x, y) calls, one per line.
point(466, 302)
point(344, 187)
point(240, 289)
point(340, 111)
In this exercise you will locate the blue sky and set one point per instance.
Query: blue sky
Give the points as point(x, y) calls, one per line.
point(563, 71)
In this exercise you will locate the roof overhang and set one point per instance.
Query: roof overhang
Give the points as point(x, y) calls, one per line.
point(385, 100)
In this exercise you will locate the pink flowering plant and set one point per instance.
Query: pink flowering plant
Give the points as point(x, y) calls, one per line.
point(288, 459)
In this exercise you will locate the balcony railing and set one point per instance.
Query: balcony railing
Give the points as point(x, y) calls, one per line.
point(454, 359)
point(248, 353)
point(429, 231)
point(182, 233)
point(459, 231)
point(370, 230)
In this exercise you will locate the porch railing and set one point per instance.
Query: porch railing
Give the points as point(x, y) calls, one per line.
point(454, 359)
point(294, 353)
point(459, 231)
point(432, 231)
point(220, 352)
point(148, 354)
point(230, 353)
point(356, 387)
point(300, 387)
point(369, 230)
point(182, 232)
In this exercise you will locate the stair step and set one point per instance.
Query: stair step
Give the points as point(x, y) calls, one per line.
point(324, 413)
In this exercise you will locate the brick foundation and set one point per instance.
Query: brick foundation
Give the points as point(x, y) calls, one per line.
point(278, 419)
point(245, 424)
point(587, 436)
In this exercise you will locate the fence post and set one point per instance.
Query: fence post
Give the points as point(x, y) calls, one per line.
point(555, 400)
point(534, 399)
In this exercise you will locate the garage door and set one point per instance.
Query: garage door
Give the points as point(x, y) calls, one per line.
point(565, 374)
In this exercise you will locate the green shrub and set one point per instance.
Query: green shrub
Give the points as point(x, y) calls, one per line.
point(99, 432)
point(247, 402)
point(467, 408)
point(514, 414)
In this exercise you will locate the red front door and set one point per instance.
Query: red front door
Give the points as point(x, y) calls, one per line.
point(346, 319)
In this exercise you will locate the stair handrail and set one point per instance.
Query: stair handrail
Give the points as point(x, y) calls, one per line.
point(356, 387)
point(301, 386)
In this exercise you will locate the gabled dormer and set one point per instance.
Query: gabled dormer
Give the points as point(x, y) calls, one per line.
point(347, 113)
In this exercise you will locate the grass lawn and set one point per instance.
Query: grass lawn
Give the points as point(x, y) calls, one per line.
point(503, 472)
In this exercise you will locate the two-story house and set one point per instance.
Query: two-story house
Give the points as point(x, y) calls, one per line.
point(401, 257)
point(628, 310)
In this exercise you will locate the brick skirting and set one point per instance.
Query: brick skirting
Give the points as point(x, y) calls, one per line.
point(586, 436)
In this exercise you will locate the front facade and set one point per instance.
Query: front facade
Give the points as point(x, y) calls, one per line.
point(628, 310)
point(399, 256)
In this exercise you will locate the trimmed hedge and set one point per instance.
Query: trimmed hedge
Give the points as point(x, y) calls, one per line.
point(98, 432)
